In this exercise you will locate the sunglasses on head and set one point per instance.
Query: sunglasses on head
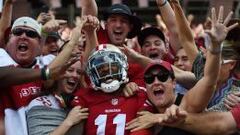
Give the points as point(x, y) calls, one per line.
point(29, 33)
point(162, 77)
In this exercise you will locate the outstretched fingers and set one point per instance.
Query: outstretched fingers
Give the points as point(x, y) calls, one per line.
point(228, 18)
point(220, 14)
point(232, 26)
point(214, 17)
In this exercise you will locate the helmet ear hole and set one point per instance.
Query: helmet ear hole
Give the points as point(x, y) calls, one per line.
point(107, 68)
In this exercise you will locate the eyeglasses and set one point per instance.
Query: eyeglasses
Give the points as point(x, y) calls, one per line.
point(29, 33)
point(162, 77)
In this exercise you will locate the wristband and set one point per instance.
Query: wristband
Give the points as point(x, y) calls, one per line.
point(43, 73)
point(47, 73)
point(163, 4)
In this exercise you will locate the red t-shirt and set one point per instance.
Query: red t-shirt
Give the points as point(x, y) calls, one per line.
point(236, 115)
point(21, 95)
point(17, 96)
point(102, 36)
point(136, 73)
point(109, 112)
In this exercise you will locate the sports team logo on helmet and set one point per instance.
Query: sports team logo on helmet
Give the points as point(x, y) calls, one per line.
point(107, 68)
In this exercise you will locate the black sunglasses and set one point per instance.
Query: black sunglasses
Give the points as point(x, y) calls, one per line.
point(161, 76)
point(29, 33)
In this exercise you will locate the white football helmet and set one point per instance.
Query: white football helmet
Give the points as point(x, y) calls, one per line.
point(107, 68)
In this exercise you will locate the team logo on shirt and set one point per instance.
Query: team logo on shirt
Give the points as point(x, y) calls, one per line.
point(29, 91)
point(114, 101)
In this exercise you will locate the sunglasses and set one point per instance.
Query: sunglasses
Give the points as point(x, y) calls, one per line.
point(29, 33)
point(162, 77)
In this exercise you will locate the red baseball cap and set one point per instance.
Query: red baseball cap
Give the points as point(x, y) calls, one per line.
point(157, 64)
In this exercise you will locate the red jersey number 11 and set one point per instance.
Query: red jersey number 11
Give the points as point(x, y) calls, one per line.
point(119, 120)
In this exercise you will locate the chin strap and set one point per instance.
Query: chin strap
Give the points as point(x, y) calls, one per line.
point(110, 87)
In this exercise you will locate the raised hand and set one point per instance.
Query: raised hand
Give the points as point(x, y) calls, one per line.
point(53, 25)
point(59, 71)
point(131, 54)
point(92, 23)
point(219, 28)
point(44, 17)
point(76, 33)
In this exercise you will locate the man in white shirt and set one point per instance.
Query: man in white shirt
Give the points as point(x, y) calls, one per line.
point(23, 50)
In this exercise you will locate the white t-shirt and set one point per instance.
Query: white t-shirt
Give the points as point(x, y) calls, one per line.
point(6, 60)
point(48, 101)
point(15, 116)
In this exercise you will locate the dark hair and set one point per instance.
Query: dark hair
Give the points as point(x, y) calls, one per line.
point(234, 34)
point(147, 32)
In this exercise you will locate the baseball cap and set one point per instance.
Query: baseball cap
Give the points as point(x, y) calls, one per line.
point(125, 10)
point(28, 22)
point(229, 51)
point(227, 61)
point(149, 31)
point(54, 35)
point(164, 67)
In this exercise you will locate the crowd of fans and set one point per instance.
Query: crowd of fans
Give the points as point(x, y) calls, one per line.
point(119, 75)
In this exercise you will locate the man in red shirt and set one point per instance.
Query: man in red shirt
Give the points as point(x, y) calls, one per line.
point(120, 25)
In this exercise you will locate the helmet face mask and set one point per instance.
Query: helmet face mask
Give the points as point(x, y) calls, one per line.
point(107, 68)
point(108, 71)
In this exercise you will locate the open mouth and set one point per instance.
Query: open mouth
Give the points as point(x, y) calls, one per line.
point(22, 47)
point(118, 33)
point(158, 92)
point(152, 56)
point(53, 51)
point(71, 83)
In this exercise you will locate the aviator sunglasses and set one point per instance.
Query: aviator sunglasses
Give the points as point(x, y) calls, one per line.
point(161, 76)
point(29, 33)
